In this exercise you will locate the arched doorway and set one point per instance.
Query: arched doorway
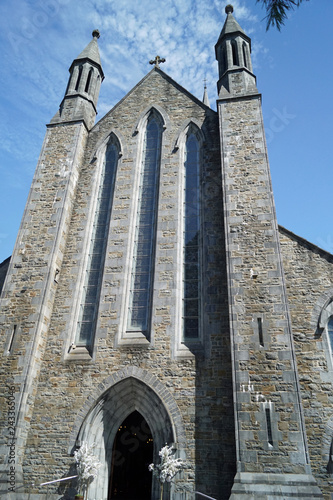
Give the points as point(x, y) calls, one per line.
point(123, 393)
point(132, 452)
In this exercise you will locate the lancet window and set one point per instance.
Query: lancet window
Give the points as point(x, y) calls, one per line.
point(191, 239)
point(91, 71)
point(245, 55)
point(235, 60)
point(79, 78)
point(97, 248)
point(145, 230)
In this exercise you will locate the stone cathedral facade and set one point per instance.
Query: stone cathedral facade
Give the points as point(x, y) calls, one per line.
point(152, 299)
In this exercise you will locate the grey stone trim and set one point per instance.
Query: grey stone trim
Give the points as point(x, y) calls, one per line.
point(321, 313)
point(169, 80)
point(327, 440)
point(240, 235)
point(244, 97)
point(251, 486)
point(68, 122)
point(130, 389)
point(319, 316)
point(183, 349)
point(64, 175)
point(12, 334)
point(71, 352)
point(103, 142)
point(126, 336)
point(145, 377)
point(181, 134)
point(142, 120)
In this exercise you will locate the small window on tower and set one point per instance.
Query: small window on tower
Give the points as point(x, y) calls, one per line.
point(223, 58)
point(78, 78)
point(88, 80)
point(245, 55)
point(235, 61)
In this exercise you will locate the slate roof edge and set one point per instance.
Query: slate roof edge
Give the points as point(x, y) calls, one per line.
point(170, 80)
point(305, 243)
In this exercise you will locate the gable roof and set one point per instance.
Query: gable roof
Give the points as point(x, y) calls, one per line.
point(169, 80)
point(306, 244)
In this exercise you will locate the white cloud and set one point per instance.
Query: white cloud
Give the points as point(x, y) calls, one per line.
point(40, 40)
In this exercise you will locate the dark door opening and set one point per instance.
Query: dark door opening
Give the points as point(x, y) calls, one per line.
point(132, 452)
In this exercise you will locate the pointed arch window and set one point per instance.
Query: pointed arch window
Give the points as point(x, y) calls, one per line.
point(86, 89)
point(97, 249)
point(223, 59)
point(79, 77)
point(235, 61)
point(245, 55)
point(191, 239)
point(145, 232)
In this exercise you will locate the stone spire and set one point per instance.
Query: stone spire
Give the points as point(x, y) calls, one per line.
point(233, 53)
point(91, 51)
point(205, 98)
point(86, 76)
point(231, 25)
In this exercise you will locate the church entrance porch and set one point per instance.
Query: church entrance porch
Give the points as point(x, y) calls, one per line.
point(132, 453)
point(128, 423)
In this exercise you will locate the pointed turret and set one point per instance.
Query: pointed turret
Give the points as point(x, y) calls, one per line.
point(86, 76)
point(233, 53)
point(91, 51)
point(205, 98)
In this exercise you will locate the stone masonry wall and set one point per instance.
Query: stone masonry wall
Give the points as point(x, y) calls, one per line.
point(309, 278)
point(199, 383)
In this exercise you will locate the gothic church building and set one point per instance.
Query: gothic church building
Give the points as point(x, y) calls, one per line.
point(152, 299)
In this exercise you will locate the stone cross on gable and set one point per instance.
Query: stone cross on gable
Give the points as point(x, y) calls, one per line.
point(157, 61)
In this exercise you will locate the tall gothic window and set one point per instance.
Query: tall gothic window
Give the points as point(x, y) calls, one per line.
point(191, 240)
point(97, 249)
point(145, 231)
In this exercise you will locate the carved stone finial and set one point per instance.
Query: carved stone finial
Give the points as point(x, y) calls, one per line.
point(229, 9)
point(157, 61)
point(96, 34)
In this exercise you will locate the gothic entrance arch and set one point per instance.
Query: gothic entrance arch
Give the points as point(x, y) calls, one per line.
point(149, 412)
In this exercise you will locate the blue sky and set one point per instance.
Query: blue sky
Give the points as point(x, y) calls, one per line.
point(40, 38)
